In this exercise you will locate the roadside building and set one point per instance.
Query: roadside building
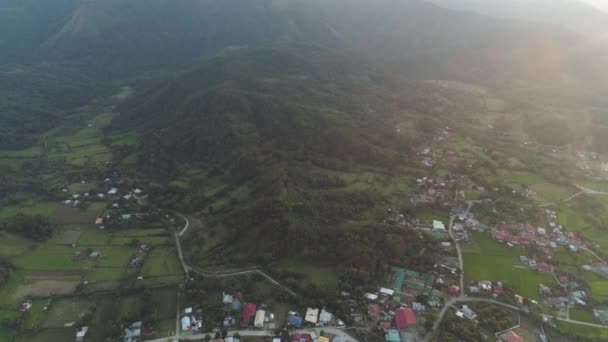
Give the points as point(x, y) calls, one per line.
point(392, 336)
point(247, 314)
point(404, 318)
point(258, 322)
point(295, 321)
point(312, 315)
point(325, 317)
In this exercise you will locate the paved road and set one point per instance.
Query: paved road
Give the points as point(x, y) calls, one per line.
point(259, 333)
point(458, 250)
point(593, 253)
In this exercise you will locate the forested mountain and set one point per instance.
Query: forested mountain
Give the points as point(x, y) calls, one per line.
point(94, 45)
point(575, 15)
point(273, 122)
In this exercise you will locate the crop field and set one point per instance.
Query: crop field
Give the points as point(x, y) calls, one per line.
point(490, 260)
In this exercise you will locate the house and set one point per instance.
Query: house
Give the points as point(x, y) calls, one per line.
point(80, 334)
point(99, 221)
point(372, 309)
point(454, 290)
point(295, 321)
point(301, 337)
point(543, 267)
point(247, 314)
point(511, 336)
point(468, 313)
point(601, 315)
point(541, 231)
point(418, 307)
point(371, 296)
point(311, 315)
point(322, 339)
point(388, 292)
point(258, 322)
point(113, 191)
point(126, 217)
point(325, 317)
point(227, 299)
point(186, 323)
point(404, 318)
point(438, 225)
point(392, 336)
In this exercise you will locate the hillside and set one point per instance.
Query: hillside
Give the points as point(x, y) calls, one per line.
point(270, 138)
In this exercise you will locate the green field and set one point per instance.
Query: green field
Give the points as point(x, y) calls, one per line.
point(161, 262)
point(31, 207)
point(490, 260)
point(581, 315)
point(598, 290)
point(583, 330)
point(323, 277)
point(552, 192)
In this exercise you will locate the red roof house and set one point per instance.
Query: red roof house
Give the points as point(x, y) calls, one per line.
point(247, 314)
point(301, 338)
point(404, 318)
point(543, 267)
point(454, 290)
point(511, 336)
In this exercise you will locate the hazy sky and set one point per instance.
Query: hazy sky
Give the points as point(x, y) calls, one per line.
point(601, 4)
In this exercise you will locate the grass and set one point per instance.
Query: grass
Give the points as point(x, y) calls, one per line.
point(583, 330)
point(31, 207)
point(105, 274)
point(13, 245)
point(581, 315)
point(518, 178)
point(161, 262)
point(490, 260)
point(50, 257)
point(115, 256)
point(79, 188)
point(552, 192)
point(67, 310)
point(323, 277)
point(598, 290)
point(93, 237)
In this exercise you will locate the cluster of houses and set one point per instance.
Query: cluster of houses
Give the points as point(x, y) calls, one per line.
point(313, 318)
point(546, 240)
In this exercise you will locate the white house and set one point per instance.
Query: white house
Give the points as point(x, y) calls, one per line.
point(258, 322)
point(438, 225)
point(311, 315)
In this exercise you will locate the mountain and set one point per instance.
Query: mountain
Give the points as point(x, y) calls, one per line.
point(576, 15)
point(279, 130)
point(98, 44)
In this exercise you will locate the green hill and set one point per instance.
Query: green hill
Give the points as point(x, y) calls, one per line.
point(293, 148)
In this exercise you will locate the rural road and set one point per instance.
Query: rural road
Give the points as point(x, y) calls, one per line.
point(219, 273)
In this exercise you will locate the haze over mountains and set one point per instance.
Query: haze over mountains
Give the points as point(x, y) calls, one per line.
point(574, 14)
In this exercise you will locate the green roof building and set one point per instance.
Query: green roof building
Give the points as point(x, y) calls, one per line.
point(392, 336)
